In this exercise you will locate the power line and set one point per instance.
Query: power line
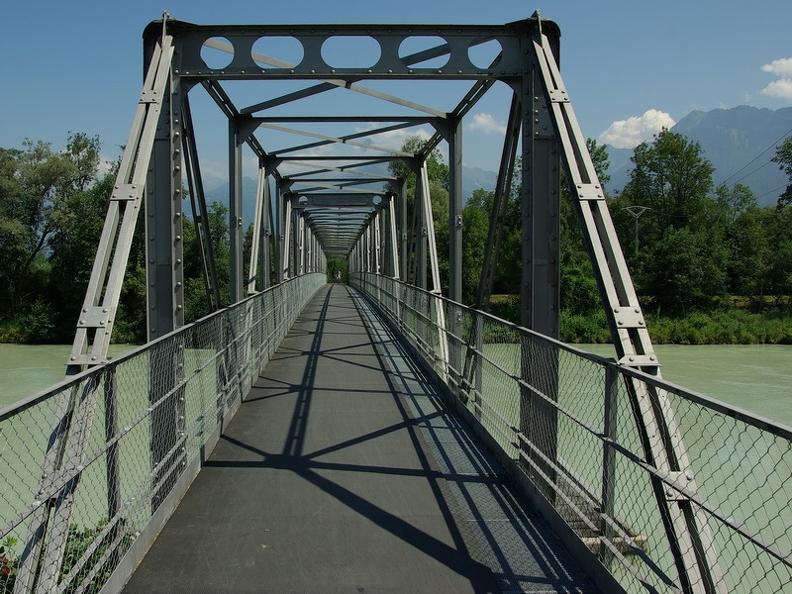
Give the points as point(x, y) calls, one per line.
point(773, 145)
point(765, 164)
point(772, 191)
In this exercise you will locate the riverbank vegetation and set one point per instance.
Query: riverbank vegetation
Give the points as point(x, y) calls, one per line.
point(52, 210)
point(710, 265)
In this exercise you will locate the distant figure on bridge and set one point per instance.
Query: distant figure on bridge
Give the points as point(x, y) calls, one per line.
point(338, 276)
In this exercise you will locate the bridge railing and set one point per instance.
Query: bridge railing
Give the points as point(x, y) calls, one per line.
point(595, 478)
point(157, 412)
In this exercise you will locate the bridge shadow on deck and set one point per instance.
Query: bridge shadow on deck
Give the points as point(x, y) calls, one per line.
point(344, 472)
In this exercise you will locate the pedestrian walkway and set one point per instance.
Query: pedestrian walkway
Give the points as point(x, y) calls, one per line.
point(344, 472)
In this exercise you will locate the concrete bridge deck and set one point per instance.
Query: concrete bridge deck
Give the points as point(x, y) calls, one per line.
point(343, 471)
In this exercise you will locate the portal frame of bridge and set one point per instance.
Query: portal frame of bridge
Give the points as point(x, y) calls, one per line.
point(299, 233)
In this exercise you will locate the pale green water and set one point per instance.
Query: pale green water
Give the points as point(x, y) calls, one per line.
point(27, 369)
point(757, 378)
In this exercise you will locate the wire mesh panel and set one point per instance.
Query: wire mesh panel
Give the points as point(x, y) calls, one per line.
point(572, 424)
point(87, 463)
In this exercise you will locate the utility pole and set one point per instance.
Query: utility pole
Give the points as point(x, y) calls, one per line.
point(636, 212)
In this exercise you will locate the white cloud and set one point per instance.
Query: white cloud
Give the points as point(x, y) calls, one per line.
point(634, 130)
point(105, 165)
point(782, 87)
point(394, 139)
point(782, 67)
point(487, 124)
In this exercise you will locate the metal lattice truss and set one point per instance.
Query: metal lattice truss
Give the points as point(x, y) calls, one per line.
point(314, 108)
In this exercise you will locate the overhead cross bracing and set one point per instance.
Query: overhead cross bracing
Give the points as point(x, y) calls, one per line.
point(319, 110)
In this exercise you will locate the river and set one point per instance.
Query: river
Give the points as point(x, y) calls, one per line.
point(756, 378)
point(27, 369)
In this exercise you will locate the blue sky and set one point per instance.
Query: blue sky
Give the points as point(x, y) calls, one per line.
point(630, 66)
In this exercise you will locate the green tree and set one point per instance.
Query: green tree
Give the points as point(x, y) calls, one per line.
point(73, 248)
point(779, 231)
point(475, 224)
point(682, 256)
point(670, 176)
point(337, 270)
point(783, 156)
point(747, 240)
point(196, 304)
point(438, 174)
point(508, 266)
point(436, 168)
point(579, 292)
point(38, 189)
point(689, 268)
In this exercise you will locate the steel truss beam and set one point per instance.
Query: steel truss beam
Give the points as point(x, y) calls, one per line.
point(329, 197)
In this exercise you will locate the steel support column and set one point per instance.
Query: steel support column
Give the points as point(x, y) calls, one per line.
point(426, 246)
point(259, 238)
point(455, 251)
point(164, 246)
point(235, 231)
point(540, 280)
point(286, 241)
point(455, 212)
point(402, 230)
point(278, 231)
point(164, 275)
point(393, 239)
point(377, 242)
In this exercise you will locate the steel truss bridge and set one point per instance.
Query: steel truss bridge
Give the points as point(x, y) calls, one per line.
point(649, 486)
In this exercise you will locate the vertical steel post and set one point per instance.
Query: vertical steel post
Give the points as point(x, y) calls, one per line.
point(285, 264)
point(393, 239)
point(455, 212)
point(421, 242)
point(402, 227)
point(300, 252)
point(277, 231)
point(540, 278)
point(296, 265)
point(377, 243)
point(235, 209)
point(164, 275)
point(258, 231)
point(609, 461)
point(309, 248)
point(164, 246)
point(455, 254)
point(367, 247)
point(269, 232)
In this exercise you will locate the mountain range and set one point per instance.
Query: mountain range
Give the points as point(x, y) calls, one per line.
point(739, 142)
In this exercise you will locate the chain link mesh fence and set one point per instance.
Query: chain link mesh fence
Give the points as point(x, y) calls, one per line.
point(87, 463)
point(583, 430)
